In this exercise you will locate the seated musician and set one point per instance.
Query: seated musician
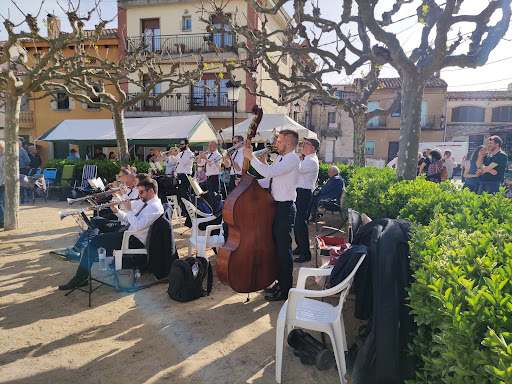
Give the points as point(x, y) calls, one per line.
point(138, 215)
point(332, 190)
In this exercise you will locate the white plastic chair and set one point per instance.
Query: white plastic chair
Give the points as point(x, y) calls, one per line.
point(126, 250)
point(197, 217)
point(176, 209)
point(299, 311)
point(201, 242)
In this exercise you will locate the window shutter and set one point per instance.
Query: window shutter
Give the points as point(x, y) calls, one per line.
point(53, 104)
point(71, 103)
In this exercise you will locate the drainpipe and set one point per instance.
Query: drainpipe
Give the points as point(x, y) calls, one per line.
point(445, 119)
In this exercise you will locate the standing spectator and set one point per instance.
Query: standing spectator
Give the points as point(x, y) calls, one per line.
point(434, 169)
point(24, 159)
point(200, 176)
point(150, 155)
point(449, 163)
point(420, 161)
point(35, 159)
point(425, 162)
point(494, 166)
point(508, 185)
point(99, 155)
point(471, 166)
point(72, 155)
point(2, 179)
point(112, 156)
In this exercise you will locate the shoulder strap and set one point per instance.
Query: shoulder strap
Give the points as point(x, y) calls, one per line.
point(209, 281)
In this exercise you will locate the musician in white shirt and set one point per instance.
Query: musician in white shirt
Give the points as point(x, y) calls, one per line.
point(170, 164)
point(307, 182)
point(282, 178)
point(212, 171)
point(238, 161)
point(184, 162)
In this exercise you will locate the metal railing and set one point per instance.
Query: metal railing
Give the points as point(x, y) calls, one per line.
point(26, 117)
point(181, 102)
point(330, 132)
point(180, 44)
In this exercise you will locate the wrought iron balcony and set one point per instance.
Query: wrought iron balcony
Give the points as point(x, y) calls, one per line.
point(181, 102)
point(180, 44)
point(330, 132)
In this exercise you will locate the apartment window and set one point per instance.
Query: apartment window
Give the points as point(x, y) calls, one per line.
point(331, 117)
point(221, 39)
point(94, 99)
point(468, 114)
point(151, 105)
point(424, 109)
point(62, 101)
point(398, 112)
point(186, 23)
point(502, 114)
point(372, 106)
point(207, 96)
point(151, 34)
point(369, 148)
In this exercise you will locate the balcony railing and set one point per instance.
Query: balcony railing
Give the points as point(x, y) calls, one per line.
point(377, 122)
point(330, 132)
point(179, 44)
point(181, 102)
point(26, 118)
point(432, 122)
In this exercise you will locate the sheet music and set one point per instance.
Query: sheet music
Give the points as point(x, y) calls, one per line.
point(195, 186)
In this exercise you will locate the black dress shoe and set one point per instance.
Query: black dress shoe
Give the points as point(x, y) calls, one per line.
point(272, 289)
point(66, 254)
point(278, 295)
point(296, 251)
point(301, 259)
point(75, 282)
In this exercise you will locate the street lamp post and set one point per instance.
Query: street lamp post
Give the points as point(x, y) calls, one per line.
point(233, 94)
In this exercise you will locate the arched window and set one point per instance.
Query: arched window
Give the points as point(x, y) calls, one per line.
point(468, 114)
point(502, 114)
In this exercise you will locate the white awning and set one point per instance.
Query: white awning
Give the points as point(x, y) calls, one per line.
point(149, 130)
point(268, 122)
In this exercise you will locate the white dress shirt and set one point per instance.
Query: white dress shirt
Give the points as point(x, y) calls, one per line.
point(308, 172)
point(185, 160)
point(131, 193)
point(284, 173)
point(170, 164)
point(450, 166)
point(238, 158)
point(147, 216)
point(212, 169)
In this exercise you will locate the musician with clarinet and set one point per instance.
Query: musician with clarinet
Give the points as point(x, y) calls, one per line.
point(281, 177)
point(144, 213)
point(212, 171)
point(235, 161)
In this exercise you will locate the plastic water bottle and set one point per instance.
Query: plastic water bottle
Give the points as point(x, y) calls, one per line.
point(102, 256)
point(137, 273)
point(195, 269)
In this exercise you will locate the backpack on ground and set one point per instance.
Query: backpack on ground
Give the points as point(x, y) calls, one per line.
point(183, 286)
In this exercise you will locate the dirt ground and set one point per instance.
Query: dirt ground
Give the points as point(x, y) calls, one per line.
point(141, 337)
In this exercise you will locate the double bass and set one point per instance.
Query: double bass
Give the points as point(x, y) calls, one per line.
point(247, 262)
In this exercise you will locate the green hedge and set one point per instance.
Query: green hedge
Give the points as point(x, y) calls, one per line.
point(106, 169)
point(461, 258)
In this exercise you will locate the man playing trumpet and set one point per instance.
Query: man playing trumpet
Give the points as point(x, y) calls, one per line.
point(212, 171)
point(237, 164)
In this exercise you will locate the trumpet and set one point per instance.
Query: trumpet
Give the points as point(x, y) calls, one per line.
point(173, 151)
point(63, 214)
point(270, 147)
point(93, 196)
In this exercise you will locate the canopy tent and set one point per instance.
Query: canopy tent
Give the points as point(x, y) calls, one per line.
point(143, 131)
point(268, 122)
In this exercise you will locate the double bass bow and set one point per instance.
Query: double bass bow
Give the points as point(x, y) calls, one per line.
point(247, 261)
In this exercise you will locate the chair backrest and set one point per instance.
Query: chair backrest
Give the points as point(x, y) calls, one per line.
point(192, 210)
point(67, 175)
point(50, 174)
point(344, 286)
point(89, 172)
point(353, 224)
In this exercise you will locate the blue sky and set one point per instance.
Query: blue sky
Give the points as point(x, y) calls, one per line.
point(496, 74)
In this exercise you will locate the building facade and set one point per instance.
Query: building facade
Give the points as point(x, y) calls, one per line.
point(474, 115)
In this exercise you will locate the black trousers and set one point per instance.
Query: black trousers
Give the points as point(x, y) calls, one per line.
point(301, 221)
point(109, 241)
point(282, 234)
point(232, 184)
point(212, 185)
point(183, 189)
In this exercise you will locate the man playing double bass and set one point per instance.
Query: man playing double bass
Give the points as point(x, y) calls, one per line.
point(281, 177)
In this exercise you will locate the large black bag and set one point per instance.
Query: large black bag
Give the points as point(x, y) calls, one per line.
point(183, 286)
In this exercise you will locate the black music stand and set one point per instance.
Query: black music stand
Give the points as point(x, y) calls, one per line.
point(90, 279)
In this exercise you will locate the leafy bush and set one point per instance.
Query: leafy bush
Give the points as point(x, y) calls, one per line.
point(461, 258)
point(106, 169)
point(346, 172)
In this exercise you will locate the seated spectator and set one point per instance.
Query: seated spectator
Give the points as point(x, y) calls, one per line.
point(508, 185)
point(35, 160)
point(112, 156)
point(332, 190)
point(200, 176)
point(449, 163)
point(72, 155)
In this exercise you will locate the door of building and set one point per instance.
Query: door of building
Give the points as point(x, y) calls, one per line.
point(392, 150)
point(329, 151)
